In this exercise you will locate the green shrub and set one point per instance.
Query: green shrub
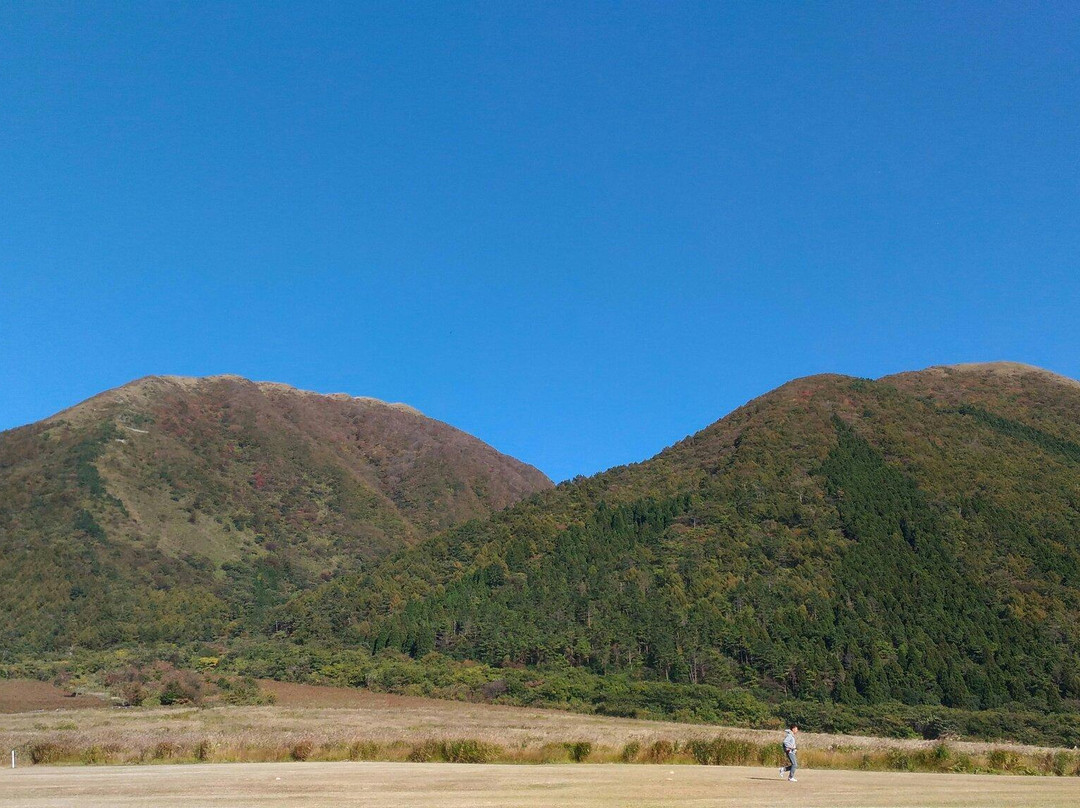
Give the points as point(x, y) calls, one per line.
point(701, 751)
point(1062, 764)
point(899, 760)
point(181, 687)
point(1002, 760)
point(618, 709)
point(243, 690)
point(962, 763)
point(936, 726)
point(630, 752)
point(772, 754)
point(579, 750)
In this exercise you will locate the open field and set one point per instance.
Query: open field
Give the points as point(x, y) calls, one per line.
point(311, 723)
point(328, 714)
point(419, 785)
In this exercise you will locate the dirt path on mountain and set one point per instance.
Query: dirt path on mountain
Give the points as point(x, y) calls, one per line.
point(444, 785)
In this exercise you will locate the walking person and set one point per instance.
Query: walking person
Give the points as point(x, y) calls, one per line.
point(790, 747)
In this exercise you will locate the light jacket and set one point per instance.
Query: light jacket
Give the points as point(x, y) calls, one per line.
point(789, 741)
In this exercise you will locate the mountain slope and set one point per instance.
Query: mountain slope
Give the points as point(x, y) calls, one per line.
point(914, 539)
point(174, 508)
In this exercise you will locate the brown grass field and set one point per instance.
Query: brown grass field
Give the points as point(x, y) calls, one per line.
point(447, 785)
point(339, 717)
point(24, 695)
point(356, 747)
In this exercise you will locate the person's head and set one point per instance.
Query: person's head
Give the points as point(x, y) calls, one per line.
point(794, 727)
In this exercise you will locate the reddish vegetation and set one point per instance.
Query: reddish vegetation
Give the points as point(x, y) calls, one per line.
point(289, 694)
point(26, 695)
point(202, 436)
point(185, 496)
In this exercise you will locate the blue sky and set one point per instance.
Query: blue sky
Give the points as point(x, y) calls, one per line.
point(579, 231)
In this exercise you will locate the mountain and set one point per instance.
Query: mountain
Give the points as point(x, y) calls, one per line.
point(914, 539)
point(177, 508)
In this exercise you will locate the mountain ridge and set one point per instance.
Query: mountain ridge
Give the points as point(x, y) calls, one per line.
point(121, 392)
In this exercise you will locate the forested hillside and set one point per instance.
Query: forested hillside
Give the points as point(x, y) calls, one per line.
point(914, 539)
point(899, 555)
point(177, 509)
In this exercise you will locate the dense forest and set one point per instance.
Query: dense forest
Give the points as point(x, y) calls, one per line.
point(837, 541)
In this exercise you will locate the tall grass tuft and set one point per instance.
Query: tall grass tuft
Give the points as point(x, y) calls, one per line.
point(461, 750)
point(468, 750)
point(363, 750)
point(579, 751)
point(660, 751)
point(425, 752)
point(47, 752)
point(721, 751)
point(204, 750)
point(301, 750)
point(101, 753)
point(165, 750)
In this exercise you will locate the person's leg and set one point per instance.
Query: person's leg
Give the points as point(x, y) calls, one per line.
point(793, 765)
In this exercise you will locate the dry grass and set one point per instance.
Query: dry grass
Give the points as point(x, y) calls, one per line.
point(428, 785)
point(359, 725)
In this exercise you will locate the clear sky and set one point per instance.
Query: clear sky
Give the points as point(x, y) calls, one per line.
point(579, 231)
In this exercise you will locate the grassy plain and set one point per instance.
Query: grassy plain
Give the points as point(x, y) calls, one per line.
point(312, 723)
point(430, 785)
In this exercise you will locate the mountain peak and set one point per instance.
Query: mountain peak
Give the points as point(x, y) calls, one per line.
point(224, 487)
